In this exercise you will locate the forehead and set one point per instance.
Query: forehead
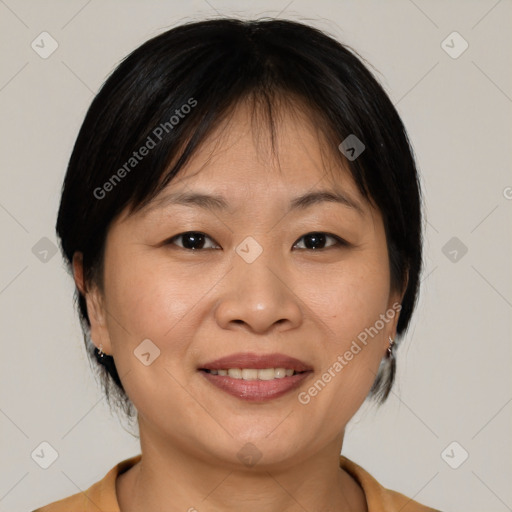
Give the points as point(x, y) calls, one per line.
point(250, 153)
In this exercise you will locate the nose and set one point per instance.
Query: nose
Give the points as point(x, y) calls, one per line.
point(258, 297)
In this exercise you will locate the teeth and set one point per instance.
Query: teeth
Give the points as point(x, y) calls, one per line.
point(267, 374)
point(253, 374)
point(279, 373)
point(248, 373)
point(235, 373)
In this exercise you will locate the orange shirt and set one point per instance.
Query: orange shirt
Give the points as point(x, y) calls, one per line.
point(101, 496)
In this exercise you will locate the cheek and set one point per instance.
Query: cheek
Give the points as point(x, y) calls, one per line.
point(350, 298)
point(348, 305)
point(150, 299)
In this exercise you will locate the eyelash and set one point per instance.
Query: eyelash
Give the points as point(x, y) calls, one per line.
point(339, 242)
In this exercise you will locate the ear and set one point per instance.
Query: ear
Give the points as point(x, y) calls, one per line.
point(95, 306)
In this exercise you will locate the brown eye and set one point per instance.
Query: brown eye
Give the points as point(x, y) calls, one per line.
point(192, 240)
point(317, 240)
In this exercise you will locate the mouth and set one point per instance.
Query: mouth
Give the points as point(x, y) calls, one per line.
point(254, 373)
point(255, 377)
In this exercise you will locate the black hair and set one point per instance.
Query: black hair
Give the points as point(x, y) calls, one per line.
point(174, 89)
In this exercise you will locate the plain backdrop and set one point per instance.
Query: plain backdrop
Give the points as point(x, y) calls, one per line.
point(454, 377)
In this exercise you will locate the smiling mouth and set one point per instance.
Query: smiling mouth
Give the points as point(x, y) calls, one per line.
point(253, 373)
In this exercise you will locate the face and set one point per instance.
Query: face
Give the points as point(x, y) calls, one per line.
point(189, 282)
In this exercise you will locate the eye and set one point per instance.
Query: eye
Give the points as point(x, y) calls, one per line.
point(316, 241)
point(196, 240)
point(192, 240)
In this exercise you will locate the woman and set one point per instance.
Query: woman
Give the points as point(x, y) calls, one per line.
point(241, 214)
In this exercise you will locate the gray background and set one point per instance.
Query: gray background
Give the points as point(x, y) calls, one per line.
point(454, 379)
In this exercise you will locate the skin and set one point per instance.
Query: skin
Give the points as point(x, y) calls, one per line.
point(198, 305)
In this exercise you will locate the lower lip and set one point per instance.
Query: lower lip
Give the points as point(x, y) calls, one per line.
point(256, 390)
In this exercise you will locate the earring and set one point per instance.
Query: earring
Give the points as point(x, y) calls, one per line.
point(391, 345)
point(101, 353)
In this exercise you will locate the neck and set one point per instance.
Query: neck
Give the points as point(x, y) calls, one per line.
point(170, 479)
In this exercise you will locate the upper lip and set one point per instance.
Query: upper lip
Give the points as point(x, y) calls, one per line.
point(256, 361)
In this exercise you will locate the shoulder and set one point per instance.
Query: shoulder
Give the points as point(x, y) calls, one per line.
point(99, 496)
point(380, 499)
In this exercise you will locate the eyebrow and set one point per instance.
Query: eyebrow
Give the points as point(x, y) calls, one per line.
point(219, 203)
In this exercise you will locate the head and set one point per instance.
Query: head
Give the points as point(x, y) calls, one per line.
point(255, 113)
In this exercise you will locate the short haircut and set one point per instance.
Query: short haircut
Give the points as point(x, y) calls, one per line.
point(177, 87)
